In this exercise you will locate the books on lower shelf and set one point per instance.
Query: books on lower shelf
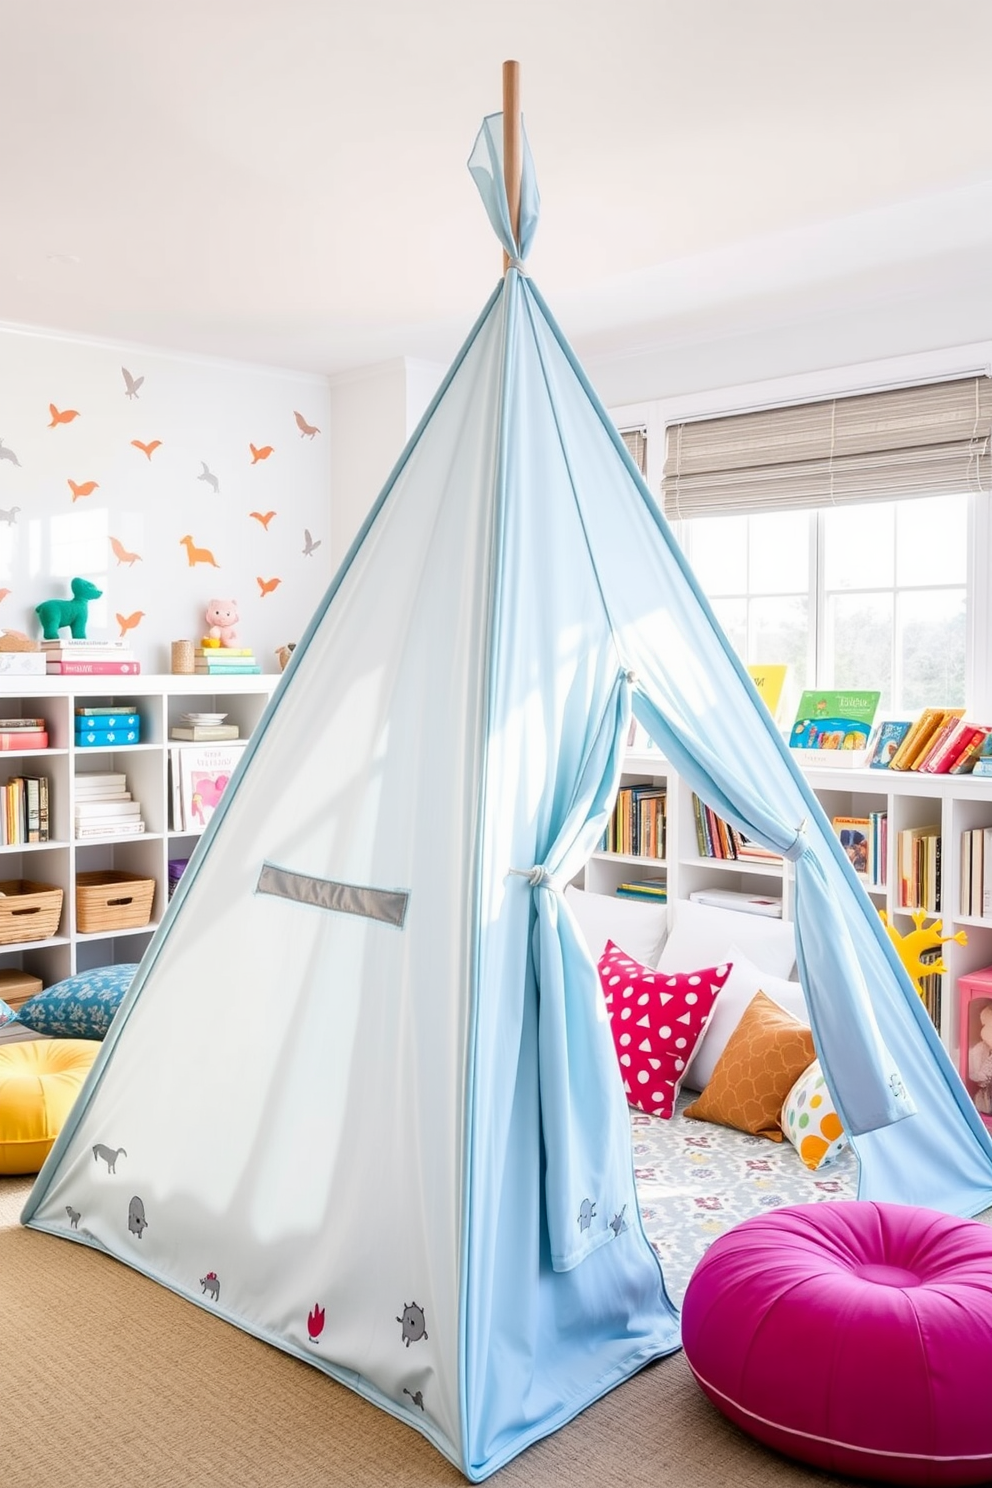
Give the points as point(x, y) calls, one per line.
point(648, 890)
point(769, 905)
point(976, 873)
point(199, 776)
point(24, 810)
point(104, 807)
point(918, 866)
point(205, 733)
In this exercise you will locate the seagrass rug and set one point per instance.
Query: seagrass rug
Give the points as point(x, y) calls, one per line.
point(109, 1380)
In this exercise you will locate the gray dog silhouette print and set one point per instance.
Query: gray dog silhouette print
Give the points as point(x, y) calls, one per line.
point(109, 1155)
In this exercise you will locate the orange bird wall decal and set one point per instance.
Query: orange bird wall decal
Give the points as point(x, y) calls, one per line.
point(122, 555)
point(197, 555)
point(128, 622)
point(267, 585)
point(260, 454)
point(85, 488)
point(147, 449)
point(305, 428)
point(264, 517)
point(66, 416)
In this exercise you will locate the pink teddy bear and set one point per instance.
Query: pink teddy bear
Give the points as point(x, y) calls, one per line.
point(222, 616)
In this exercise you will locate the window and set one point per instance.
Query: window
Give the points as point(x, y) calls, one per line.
point(872, 595)
point(834, 535)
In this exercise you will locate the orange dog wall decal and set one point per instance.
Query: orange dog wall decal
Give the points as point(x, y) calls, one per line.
point(149, 448)
point(83, 488)
point(197, 555)
point(122, 555)
point(267, 585)
point(65, 416)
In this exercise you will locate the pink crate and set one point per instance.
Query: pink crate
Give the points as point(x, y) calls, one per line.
point(974, 993)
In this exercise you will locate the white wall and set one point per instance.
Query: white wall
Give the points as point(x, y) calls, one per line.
point(374, 410)
point(202, 412)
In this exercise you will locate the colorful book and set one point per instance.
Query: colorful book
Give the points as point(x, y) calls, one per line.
point(225, 671)
point(23, 739)
point(854, 832)
point(117, 708)
point(886, 740)
point(113, 720)
point(83, 643)
point(834, 720)
point(770, 682)
point(92, 668)
point(107, 738)
point(205, 772)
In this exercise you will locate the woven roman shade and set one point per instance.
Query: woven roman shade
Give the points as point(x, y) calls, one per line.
point(929, 440)
point(636, 441)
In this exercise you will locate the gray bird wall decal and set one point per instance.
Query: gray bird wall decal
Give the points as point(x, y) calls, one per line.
point(209, 477)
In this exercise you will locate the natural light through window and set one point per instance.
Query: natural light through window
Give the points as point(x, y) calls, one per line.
point(870, 595)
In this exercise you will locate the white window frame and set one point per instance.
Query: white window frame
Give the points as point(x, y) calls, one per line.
point(657, 414)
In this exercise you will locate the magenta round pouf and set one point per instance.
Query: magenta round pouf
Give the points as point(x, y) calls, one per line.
point(854, 1336)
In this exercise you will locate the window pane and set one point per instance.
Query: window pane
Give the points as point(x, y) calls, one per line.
point(858, 643)
point(779, 632)
point(931, 540)
point(732, 615)
point(858, 546)
point(931, 637)
point(717, 552)
point(778, 553)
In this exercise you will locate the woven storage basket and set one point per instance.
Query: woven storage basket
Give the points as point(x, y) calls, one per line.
point(28, 911)
point(109, 900)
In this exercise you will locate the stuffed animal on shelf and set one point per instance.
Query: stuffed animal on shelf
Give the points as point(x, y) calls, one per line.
point(222, 617)
point(980, 1062)
point(55, 614)
point(284, 653)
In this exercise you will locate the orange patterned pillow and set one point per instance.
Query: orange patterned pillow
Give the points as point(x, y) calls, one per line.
point(767, 1053)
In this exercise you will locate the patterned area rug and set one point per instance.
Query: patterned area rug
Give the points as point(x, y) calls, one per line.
point(696, 1180)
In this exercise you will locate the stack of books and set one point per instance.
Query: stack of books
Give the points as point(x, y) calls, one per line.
point(637, 825)
point(23, 733)
point(204, 733)
point(107, 728)
point(647, 890)
point(104, 807)
point(24, 810)
point(69, 658)
point(224, 661)
point(918, 859)
point(716, 838)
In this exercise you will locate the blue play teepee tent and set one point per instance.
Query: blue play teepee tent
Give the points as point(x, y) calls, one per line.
point(362, 1090)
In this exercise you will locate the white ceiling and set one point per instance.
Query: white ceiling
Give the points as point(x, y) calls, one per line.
point(284, 181)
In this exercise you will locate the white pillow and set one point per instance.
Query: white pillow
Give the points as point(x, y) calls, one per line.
point(701, 935)
point(638, 929)
point(744, 981)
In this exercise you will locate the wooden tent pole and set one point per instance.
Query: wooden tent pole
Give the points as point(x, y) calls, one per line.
point(513, 149)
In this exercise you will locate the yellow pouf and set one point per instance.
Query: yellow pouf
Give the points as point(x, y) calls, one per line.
point(39, 1081)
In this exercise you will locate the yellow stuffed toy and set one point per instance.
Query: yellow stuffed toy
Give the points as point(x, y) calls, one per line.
point(911, 946)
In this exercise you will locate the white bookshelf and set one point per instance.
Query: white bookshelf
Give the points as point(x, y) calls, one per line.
point(161, 702)
point(955, 803)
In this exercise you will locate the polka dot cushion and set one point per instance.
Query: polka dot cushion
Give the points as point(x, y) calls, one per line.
point(656, 1018)
point(856, 1337)
point(810, 1121)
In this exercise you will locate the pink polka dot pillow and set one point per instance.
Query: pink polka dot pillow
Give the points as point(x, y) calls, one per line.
point(656, 1018)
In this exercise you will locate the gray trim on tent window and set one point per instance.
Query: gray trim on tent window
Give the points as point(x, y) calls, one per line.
point(388, 905)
